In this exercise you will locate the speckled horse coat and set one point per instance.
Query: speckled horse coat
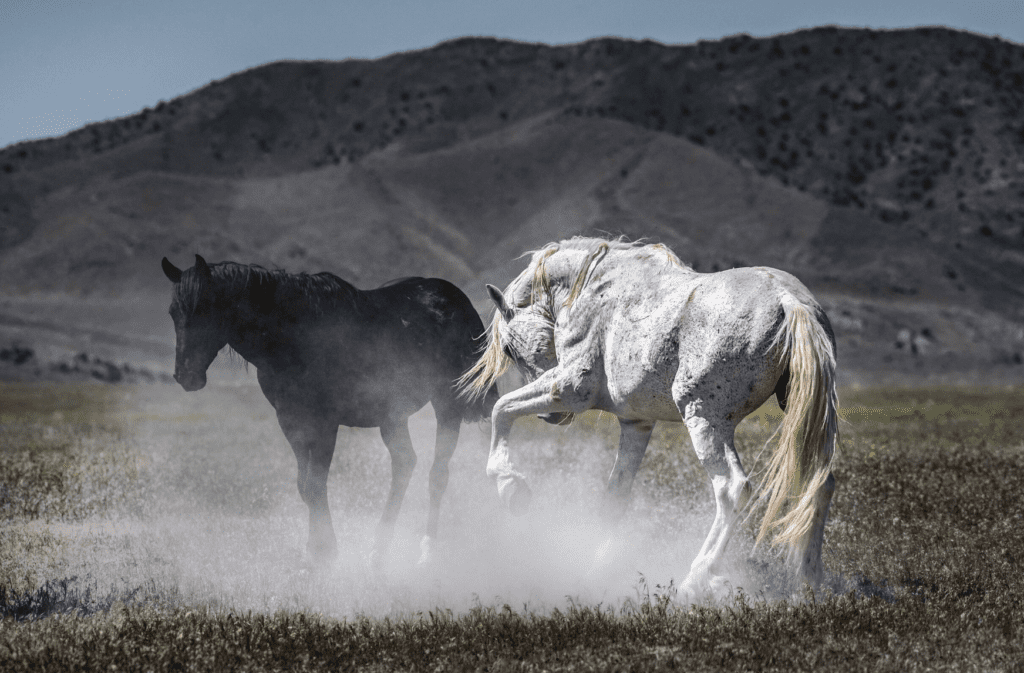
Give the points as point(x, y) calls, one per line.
point(628, 329)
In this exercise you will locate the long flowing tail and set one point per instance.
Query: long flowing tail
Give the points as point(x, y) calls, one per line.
point(802, 461)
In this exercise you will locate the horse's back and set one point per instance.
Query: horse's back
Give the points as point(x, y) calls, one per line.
point(700, 335)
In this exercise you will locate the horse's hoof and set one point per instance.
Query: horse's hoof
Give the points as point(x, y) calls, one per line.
point(699, 587)
point(719, 588)
point(686, 595)
point(605, 558)
point(321, 555)
point(606, 566)
point(375, 561)
point(426, 552)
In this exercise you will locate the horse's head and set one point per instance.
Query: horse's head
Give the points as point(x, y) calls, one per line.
point(522, 333)
point(526, 335)
point(198, 329)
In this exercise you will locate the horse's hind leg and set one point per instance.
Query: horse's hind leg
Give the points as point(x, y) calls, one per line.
point(805, 557)
point(313, 445)
point(395, 434)
point(449, 422)
point(713, 442)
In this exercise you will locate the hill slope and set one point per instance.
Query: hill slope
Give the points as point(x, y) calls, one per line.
point(883, 168)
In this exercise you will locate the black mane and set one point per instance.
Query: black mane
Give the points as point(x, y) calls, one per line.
point(317, 293)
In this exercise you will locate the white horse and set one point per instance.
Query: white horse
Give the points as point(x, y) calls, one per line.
point(628, 329)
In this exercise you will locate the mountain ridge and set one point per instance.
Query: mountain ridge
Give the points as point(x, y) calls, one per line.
point(883, 168)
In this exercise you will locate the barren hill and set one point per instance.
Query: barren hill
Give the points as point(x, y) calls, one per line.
point(883, 168)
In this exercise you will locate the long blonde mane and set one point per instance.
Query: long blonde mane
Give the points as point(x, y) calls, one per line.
point(533, 286)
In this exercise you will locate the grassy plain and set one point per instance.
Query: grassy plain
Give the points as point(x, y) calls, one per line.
point(149, 529)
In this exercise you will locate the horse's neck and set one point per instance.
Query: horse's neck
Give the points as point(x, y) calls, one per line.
point(562, 272)
point(265, 333)
point(250, 330)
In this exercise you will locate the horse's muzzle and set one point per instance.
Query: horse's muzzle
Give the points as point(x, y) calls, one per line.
point(190, 382)
point(557, 417)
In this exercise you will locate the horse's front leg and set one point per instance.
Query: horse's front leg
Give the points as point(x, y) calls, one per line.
point(557, 390)
point(634, 435)
point(395, 434)
point(313, 442)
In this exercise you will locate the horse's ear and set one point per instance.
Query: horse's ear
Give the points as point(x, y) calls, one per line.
point(499, 300)
point(202, 268)
point(172, 272)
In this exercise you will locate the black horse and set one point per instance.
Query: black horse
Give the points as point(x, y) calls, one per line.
point(328, 354)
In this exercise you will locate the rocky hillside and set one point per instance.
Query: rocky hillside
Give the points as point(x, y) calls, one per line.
point(884, 168)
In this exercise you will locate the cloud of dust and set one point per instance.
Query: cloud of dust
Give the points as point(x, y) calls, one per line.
point(222, 524)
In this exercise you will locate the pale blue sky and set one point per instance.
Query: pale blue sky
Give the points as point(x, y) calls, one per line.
point(65, 63)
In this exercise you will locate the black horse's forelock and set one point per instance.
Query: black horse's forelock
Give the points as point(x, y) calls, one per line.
point(316, 293)
point(188, 291)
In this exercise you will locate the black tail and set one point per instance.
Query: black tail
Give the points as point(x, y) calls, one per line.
point(468, 338)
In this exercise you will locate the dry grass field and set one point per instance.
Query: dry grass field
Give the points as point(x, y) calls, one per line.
point(144, 528)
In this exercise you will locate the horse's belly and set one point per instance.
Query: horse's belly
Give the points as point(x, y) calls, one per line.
point(643, 394)
point(369, 406)
point(654, 407)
